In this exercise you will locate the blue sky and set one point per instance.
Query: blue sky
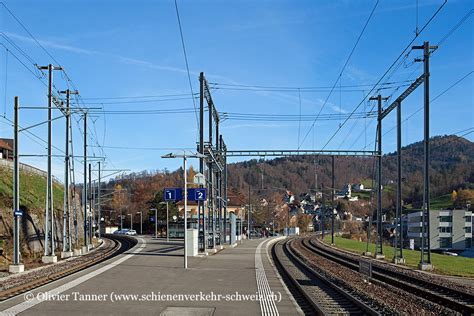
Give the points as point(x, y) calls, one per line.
point(133, 48)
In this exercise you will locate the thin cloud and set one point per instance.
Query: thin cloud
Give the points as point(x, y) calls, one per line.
point(51, 44)
point(337, 109)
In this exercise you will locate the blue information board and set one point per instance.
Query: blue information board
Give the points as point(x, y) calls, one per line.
point(197, 194)
point(173, 194)
point(18, 213)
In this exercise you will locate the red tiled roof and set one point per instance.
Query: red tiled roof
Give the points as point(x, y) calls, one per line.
point(6, 143)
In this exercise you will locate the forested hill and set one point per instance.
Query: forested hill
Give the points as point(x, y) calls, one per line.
point(452, 167)
point(452, 163)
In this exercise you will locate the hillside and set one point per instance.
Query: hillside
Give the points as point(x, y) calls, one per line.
point(32, 202)
point(452, 167)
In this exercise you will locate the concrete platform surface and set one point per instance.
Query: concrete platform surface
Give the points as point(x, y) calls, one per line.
point(150, 280)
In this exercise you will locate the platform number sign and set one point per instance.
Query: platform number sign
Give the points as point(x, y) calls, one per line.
point(173, 194)
point(197, 194)
point(170, 194)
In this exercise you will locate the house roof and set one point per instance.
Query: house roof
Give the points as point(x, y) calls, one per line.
point(6, 143)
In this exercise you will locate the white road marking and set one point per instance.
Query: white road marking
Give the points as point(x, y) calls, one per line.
point(267, 306)
point(35, 301)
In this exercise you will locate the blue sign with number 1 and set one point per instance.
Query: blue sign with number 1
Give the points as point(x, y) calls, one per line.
point(173, 194)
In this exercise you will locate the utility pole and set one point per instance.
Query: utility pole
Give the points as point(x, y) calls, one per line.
point(248, 217)
point(425, 262)
point(74, 216)
point(16, 267)
point(378, 246)
point(211, 206)
point(218, 189)
point(66, 232)
point(333, 191)
point(90, 205)
point(323, 210)
point(49, 242)
point(185, 214)
point(67, 243)
point(85, 248)
point(399, 227)
point(201, 216)
point(224, 148)
point(98, 202)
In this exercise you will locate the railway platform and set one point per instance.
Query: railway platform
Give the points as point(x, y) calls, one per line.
point(149, 279)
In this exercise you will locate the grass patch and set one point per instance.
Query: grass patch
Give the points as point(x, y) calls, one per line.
point(362, 195)
point(443, 264)
point(367, 183)
point(32, 190)
point(441, 202)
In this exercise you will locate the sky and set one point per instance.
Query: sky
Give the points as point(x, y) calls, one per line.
point(119, 53)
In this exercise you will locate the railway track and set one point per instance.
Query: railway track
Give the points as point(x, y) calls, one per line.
point(453, 299)
point(315, 293)
point(28, 281)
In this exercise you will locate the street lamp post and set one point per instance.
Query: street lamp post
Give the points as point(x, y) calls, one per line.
point(156, 221)
point(167, 224)
point(248, 222)
point(141, 222)
point(334, 212)
point(242, 217)
point(131, 221)
point(167, 221)
point(185, 157)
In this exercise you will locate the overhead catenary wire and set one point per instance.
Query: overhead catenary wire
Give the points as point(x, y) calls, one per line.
point(342, 71)
point(385, 73)
point(31, 60)
point(301, 90)
point(296, 88)
point(372, 109)
point(454, 28)
point(145, 112)
point(146, 148)
point(433, 100)
point(292, 117)
point(440, 42)
point(135, 101)
point(187, 64)
point(138, 96)
point(39, 140)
